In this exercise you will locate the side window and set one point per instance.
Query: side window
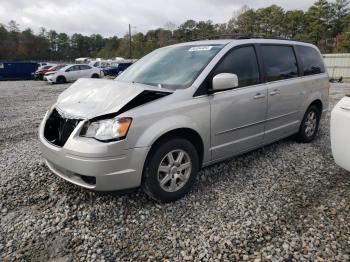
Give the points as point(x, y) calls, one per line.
point(84, 67)
point(311, 60)
point(243, 63)
point(74, 68)
point(280, 62)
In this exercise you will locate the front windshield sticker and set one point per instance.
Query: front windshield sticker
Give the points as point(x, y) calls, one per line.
point(200, 48)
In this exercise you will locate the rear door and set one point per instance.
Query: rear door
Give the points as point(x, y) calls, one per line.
point(238, 115)
point(85, 71)
point(285, 92)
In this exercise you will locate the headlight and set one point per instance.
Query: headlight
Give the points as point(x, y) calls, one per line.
point(107, 129)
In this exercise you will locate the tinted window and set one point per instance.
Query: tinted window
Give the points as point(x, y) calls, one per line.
point(73, 68)
point(280, 62)
point(311, 60)
point(84, 67)
point(243, 63)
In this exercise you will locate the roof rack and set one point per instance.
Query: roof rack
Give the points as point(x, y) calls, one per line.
point(241, 36)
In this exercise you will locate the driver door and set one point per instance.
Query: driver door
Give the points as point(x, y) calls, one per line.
point(72, 73)
point(238, 115)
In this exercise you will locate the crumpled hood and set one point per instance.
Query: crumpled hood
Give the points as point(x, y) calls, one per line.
point(89, 98)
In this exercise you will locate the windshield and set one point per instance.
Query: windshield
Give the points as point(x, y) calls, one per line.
point(174, 67)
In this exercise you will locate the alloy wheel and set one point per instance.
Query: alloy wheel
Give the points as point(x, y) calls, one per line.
point(174, 170)
point(310, 124)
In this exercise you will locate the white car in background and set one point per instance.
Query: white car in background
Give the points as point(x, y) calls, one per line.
point(71, 73)
point(340, 133)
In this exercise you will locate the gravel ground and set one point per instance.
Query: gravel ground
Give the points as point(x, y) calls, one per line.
point(287, 201)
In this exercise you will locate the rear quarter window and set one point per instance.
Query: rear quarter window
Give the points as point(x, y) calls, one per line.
point(311, 60)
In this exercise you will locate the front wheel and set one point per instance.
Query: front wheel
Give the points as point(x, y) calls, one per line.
point(61, 80)
point(170, 170)
point(309, 125)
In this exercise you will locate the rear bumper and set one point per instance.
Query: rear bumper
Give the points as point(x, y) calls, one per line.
point(100, 173)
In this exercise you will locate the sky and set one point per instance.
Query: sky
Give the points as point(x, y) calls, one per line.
point(112, 17)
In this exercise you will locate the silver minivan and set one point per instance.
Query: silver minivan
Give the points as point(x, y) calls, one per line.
point(181, 108)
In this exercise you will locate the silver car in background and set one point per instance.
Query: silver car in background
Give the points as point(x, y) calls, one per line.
point(184, 107)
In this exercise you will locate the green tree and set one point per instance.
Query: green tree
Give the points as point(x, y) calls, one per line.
point(270, 20)
point(317, 21)
point(340, 10)
point(63, 47)
point(293, 23)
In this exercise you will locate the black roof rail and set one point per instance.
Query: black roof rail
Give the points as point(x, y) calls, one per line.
point(241, 36)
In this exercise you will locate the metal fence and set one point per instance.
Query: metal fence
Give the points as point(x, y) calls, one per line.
point(338, 65)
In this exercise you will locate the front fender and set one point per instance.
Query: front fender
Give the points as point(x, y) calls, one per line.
point(165, 125)
point(161, 127)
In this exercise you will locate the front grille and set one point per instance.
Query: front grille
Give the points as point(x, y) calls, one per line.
point(58, 129)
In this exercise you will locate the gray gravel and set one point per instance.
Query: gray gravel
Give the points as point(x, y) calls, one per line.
point(287, 201)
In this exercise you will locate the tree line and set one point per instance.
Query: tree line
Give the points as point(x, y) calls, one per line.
point(325, 24)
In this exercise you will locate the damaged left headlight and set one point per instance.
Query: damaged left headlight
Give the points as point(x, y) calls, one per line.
point(107, 129)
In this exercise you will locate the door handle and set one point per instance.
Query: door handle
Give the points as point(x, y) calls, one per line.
point(275, 92)
point(259, 96)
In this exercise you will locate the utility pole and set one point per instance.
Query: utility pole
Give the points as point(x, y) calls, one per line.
point(130, 42)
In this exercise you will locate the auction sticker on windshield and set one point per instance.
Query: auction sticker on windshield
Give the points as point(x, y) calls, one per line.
point(200, 48)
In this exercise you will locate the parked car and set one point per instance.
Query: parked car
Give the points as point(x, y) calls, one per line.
point(340, 130)
point(17, 70)
point(184, 107)
point(71, 73)
point(39, 74)
point(116, 68)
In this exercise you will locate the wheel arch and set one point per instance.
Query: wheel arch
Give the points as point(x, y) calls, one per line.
point(61, 76)
point(95, 75)
point(187, 133)
point(318, 104)
point(314, 99)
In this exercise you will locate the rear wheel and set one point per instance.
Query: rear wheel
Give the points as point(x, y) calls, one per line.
point(61, 80)
point(309, 125)
point(171, 170)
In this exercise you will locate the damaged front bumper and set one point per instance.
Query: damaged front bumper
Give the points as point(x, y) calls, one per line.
point(92, 164)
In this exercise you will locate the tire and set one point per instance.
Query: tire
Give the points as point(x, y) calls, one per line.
point(61, 80)
point(309, 126)
point(95, 76)
point(176, 182)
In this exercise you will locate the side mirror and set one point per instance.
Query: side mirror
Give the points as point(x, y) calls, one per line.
point(68, 70)
point(225, 81)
